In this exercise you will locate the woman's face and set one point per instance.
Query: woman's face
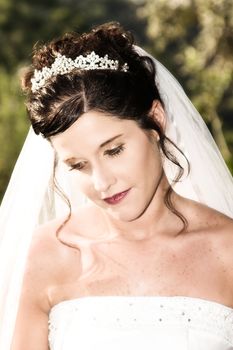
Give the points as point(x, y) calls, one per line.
point(116, 164)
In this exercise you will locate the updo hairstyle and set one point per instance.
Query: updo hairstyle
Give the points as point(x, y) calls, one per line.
point(64, 98)
point(54, 107)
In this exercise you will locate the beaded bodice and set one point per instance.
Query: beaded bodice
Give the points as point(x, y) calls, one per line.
point(161, 323)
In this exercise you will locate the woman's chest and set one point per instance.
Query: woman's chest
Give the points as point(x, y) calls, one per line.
point(147, 269)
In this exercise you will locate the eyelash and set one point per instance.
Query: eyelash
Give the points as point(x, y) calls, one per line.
point(115, 151)
point(112, 153)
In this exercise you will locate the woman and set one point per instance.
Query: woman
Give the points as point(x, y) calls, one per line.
point(136, 265)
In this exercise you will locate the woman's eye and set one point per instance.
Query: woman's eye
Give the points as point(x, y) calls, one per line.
point(78, 166)
point(110, 152)
point(115, 151)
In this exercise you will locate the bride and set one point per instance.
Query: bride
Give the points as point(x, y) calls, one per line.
point(138, 252)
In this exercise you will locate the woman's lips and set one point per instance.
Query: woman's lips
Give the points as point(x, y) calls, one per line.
point(116, 198)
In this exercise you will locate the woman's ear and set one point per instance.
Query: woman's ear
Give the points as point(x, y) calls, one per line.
point(158, 114)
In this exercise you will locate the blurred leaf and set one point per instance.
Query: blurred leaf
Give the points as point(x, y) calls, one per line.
point(194, 39)
point(13, 125)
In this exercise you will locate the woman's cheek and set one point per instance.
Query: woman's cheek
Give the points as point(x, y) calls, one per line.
point(81, 182)
point(86, 187)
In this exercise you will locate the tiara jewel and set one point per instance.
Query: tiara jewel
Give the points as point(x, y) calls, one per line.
point(63, 65)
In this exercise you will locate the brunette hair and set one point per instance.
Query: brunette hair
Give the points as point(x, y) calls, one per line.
point(128, 95)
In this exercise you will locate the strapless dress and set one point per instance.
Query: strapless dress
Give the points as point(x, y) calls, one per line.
point(140, 322)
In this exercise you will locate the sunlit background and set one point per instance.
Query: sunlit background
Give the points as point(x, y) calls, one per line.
point(193, 38)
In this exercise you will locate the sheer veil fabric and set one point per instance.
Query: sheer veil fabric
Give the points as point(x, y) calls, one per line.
point(30, 199)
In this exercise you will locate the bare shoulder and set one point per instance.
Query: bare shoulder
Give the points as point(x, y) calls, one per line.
point(47, 263)
point(212, 228)
point(46, 242)
point(209, 227)
point(203, 218)
point(54, 250)
point(220, 229)
point(46, 266)
point(51, 244)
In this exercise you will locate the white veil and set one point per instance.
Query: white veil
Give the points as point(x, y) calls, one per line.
point(30, 200)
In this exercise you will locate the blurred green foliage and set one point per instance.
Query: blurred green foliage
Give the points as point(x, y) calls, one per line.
point(192, 38)
point(25, 22)
point(13, 126)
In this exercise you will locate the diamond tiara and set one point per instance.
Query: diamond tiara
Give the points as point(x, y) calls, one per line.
point(63, 65)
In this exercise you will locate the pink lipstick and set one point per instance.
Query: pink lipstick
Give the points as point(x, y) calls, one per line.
point(116, 198)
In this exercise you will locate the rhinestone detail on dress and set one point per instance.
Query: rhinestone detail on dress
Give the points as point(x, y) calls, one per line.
point(133, 312)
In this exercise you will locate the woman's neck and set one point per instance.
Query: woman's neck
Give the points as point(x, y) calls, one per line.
point(157, 219)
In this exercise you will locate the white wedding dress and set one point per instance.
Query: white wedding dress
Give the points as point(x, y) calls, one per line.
point(144, 322)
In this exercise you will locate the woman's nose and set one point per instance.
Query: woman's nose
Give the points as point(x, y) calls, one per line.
point(103, 179)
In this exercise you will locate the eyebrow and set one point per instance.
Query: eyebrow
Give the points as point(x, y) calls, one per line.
point(69, 160)
point(110, 140)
